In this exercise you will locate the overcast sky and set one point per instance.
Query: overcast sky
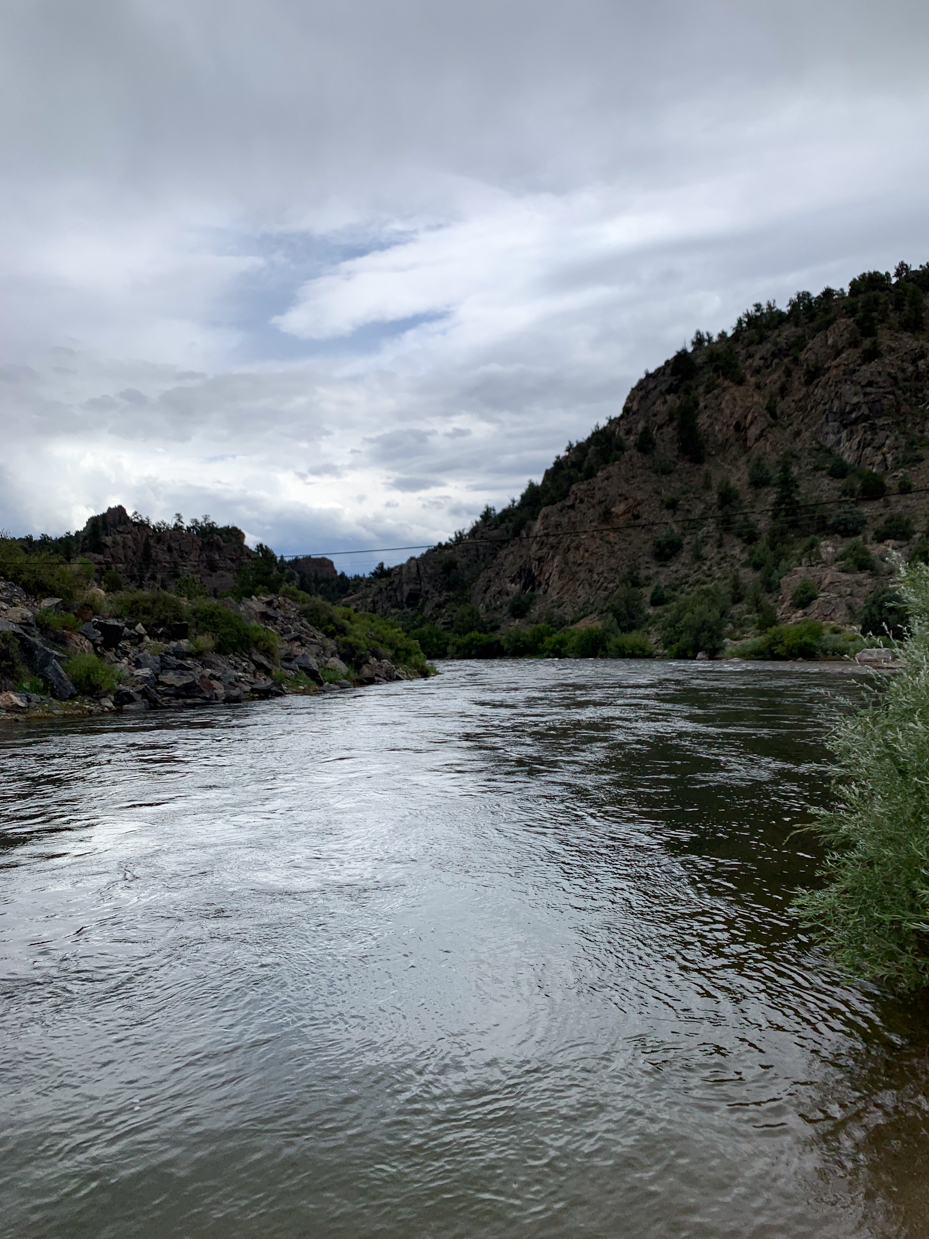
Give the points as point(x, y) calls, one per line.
point(343, 273)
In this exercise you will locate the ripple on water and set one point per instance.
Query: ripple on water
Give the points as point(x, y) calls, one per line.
point(500, 953)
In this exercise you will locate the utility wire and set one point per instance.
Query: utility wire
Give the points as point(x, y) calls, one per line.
point(574, 533)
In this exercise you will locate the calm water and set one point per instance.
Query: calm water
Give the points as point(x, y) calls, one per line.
point(504, 953)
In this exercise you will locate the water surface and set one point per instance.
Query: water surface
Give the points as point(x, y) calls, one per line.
point(502, 953)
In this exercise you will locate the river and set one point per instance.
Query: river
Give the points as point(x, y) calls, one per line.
point(501, 953)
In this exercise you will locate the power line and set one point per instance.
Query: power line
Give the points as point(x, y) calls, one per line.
point(574, 533)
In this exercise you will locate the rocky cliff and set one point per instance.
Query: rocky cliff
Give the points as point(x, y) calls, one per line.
point(161, 555)
point(758, 456)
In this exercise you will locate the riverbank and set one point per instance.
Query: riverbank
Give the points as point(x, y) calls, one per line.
point(139, 651)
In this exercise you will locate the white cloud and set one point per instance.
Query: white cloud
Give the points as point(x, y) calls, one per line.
point(344, 274)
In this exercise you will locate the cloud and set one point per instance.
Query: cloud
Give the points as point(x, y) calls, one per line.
point(289, 263)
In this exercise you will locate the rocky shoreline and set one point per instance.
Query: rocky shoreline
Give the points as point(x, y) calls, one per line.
point(156, 671)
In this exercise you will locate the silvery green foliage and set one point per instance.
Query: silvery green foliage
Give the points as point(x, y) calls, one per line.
point(873, 913)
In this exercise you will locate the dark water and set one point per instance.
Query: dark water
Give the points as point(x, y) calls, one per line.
point(500, 954)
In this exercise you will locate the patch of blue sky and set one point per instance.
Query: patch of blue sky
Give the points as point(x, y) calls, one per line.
point(287, 262)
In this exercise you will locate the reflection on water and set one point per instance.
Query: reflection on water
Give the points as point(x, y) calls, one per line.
point(501, 953)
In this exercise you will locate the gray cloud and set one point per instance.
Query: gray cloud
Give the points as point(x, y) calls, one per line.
point(289, 262)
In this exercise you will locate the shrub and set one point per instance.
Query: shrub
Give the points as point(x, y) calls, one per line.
point(475, 645)
point(871, 485)
point(153, 608)
point(630, 645)
point(766, 615)
point(90, 675)
point(112, 581)
point(317, 612)
point(847, 521)
point(896, 526)
point(589, 643)
point(521, 605)
point(884, 614)
point(57, 621)
point(667, 545)
point(689, 439)
point(759, 475)
point(627, 608)
point(746, 530)
point(189, 587)
point(838, 468)
point(855, 557)
point(871, 914)
point(804, 593)
point(904, 484)
point(658, 596)
point(40, 573)
point(12, 668)
point(801, 640)
point(695, 623)
point(683, 366)
point(525, 642)
point(432, 640)
point(230, 632)
point(645, 441)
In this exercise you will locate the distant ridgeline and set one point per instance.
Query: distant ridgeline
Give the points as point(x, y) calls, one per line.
point(759, 475)
point(196, 558)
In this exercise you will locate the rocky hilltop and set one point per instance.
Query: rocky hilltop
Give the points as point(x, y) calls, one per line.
point(791, 450)
point(135, 551)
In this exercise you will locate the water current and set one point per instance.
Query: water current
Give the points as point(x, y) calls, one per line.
point(502, 953)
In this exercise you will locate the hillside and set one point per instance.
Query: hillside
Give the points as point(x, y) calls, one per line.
point(791, 451)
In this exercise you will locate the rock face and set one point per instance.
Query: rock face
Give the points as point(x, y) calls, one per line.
point(838, 387)
point(149, 556)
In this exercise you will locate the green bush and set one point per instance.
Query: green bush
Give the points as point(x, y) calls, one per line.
point(368, 634)
point(475, 645)
point(759, 475)
point(847, 521)
point(521, 605)
point(645, 441)
point(112, 581)
point(855, 557)
point(695, 624)
point(872, 912)
point(800, 640)
point(90, 675)
point(884, 614)
point(57, 621)
point(432, 640)
point(804, 593)
point(630, 645)
point(667, 545)
point(659, 596)
point(526, 642)
point(230, 632)
point(871, 485)
point(590, 642)
point(896, 526)
point(153, 608)
point(627, 608)
point(41, 573)
point(12, 668)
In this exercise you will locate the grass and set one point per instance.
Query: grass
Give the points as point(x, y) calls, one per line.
point(872, 914)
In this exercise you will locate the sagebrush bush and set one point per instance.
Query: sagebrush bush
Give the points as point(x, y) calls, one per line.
point(873, 912)
point(153, 608)
point(90, 675)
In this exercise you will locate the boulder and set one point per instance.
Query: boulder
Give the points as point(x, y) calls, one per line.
point(15, 703)
point(877, 658)
point(309, 667)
